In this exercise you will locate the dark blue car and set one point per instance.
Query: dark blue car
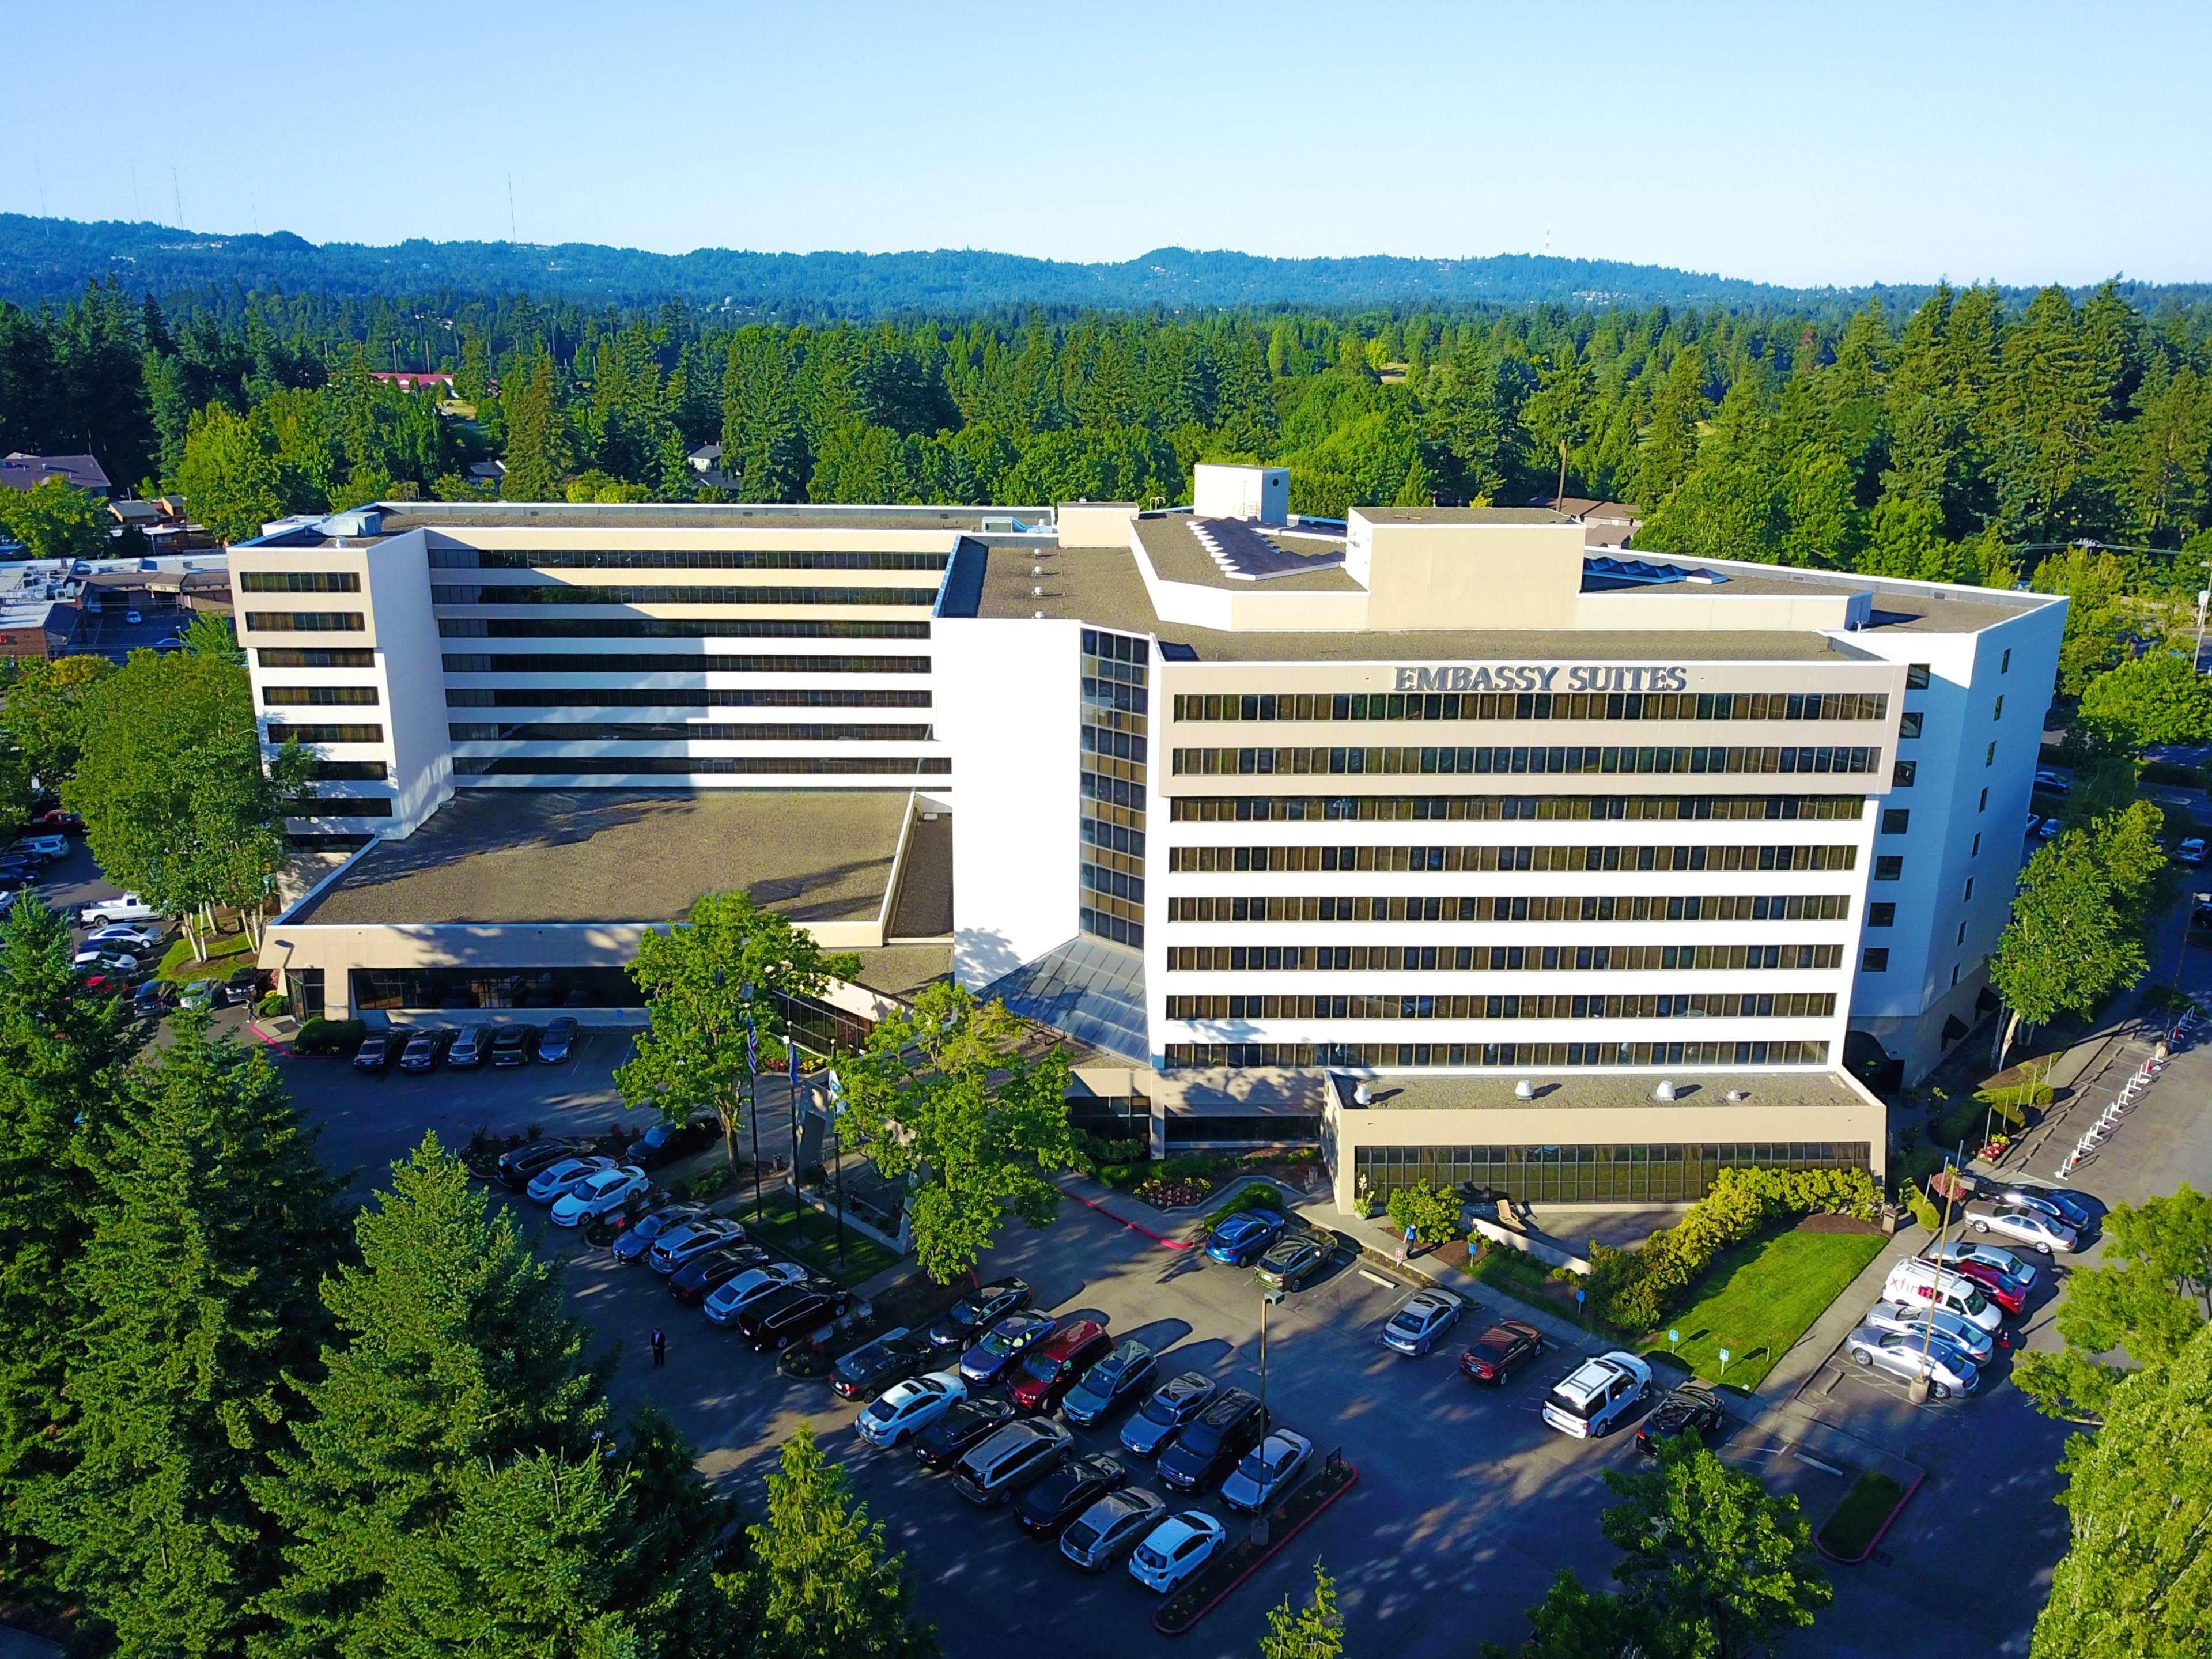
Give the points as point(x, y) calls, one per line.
point(1243, 1239)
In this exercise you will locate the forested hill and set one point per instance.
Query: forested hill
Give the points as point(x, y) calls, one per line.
point(51, 259)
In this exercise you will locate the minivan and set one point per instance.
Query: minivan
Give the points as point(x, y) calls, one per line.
point(1021, 1452)
point(1045, 1374)
point(1914, 1281)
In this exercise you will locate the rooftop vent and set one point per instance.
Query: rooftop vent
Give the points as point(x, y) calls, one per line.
point(1665, 1091)
point(1362, 1095)
point(1524, 1089)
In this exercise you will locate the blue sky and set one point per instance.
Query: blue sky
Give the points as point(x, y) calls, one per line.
point(1793, 144)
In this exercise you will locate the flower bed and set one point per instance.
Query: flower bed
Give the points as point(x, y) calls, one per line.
point(1162, 1193)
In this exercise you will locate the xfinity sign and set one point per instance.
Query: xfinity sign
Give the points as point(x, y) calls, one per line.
point(1543, 676)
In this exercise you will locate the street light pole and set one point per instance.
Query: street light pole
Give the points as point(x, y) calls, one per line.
point(2196, 661)
point(1259, 1515)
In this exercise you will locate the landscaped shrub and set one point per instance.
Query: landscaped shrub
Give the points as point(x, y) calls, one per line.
point(1924, 1209)
point(1635, 1289)
point(1430, 1212)
point(330, 1036)
point(1257, 1196)
point(274, 1004)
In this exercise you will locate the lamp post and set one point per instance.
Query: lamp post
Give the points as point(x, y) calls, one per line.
point(2196, 661)
point(752, 1090)
point(1917, 1390)
point(1267, 1299)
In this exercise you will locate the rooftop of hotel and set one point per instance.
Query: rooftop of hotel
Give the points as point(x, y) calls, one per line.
point(389, 519)
point(1789, 1091)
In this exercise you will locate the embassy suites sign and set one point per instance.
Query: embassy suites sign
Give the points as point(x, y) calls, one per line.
point(1543, 676)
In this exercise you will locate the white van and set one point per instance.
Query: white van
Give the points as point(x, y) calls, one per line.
point(1916, 1282)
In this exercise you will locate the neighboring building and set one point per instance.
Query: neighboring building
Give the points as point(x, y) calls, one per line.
point(409, 379)
point(1606, 524)
point(1437, 836)
point(20, 472)
point(487, 473)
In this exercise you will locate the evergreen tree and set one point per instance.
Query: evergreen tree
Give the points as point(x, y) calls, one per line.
point(537, 438)
point(1669, 448)
point(213, 1226)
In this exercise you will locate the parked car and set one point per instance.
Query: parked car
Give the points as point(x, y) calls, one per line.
point(2041, 1233)
point(908, 1407)
point(1177, 1547)
point(1244, 1238)
point(2033, 818)
point(1265, 1473)
point(596, 1194)
point(2191, 850)
point(1290, 1262)
point(979, 1310)
point(1500, 1352)
point(140, 942)
point(2055, 782)
point(688, 1238)
point(2077, 1210)
point(55, 821)
point(107, 982)
point(777, 1321)
point(1968, 1338)
point(1112, 1524)
point(2047, 829)
point(1161, 1417)
point(377, 1051)
point(153, 999)
point(712, 1269)
point(1110, 1384)
point(1926, 1284)
point(1426, 1315)
point(869, 1369)
point(129, 907)
point(2003, 1276)
point(516, 1168)
point(48, 847)
point(203, 995)
point(425, 1049)
point(556, 1179)
point(1047, 1370)
point(104, 962)
point(1910, 1357)
point(962, 1429)
point(733, 1297)
point(992, 1354)
point(665, 1142)
point(558, 1044)
point(1211, 1444)
point(633, 1245)
point(1025, 1449)
point(1594, 1398)
point(248, 984)
point(1693, 1408)
point(1050, 1504)
point(471, 1046)
point(514, 1045)
point(606, 1228)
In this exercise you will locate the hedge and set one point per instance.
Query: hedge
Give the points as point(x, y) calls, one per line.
point(1430, 1212)
point(1637, 1289)
point(330, 1036)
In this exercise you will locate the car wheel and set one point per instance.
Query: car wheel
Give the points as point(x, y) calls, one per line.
point(1981, 1226)
point(1939, 1390)
point(1862, 1357)
point(2045, 1248)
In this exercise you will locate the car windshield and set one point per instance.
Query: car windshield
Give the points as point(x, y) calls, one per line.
point(967, 1310)
point(1042, 1366)
point(1203, 1437)
point(1162, 1409)
point(999, 1340)
point(1254, 1465)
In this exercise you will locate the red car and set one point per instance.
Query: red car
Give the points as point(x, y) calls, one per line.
point(1045, 1374)
point(2006, 1289)
point(1500, 1352)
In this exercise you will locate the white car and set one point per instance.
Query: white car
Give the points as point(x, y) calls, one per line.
point(133, 617)
point(2190, 851)
point(1174, 1549)
point(1959, 1332)
point(1909, 1356)
point(2030, 1227)
point(105, 961)
point(128, 908)
point(597, 1194)
point(1928, 1284)
point(1266, 1472)
point(910, 1407)
point(1597, 1395)
point(1426, 1315)
point(726, 1301)
point(557, 1178)
point(56, 847)
point(137, 941)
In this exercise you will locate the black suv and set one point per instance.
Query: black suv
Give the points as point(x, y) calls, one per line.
point(514, 1045)
point(779, 1320)
point(892, 1358)
point(977, 1312)
point(519, 1167)
point(1209, 1448)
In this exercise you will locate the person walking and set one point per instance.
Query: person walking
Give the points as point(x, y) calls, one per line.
point(659, 1348)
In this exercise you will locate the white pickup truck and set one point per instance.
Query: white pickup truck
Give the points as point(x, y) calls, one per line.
point(102, 913)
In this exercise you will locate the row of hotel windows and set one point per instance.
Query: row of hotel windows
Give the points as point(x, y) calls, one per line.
point(668, 558)
point(581, 696)
point(304, 622)
point(663, 627)
point(1417, 858)
point(685, 730)
point(287, 656)
point(312, 696)
point(1403, 1055)
point(286, 731)
point(1115, 669)
point(1495, 959)
point(1687, 1005)
point(1695, 906)
point(1260, 762)
point(663, 662)
point(339, 807)
point(584, 766)
point(1657, 1174)
point(578, 593)
point(299, 581)
point(1492, 809)
point(1537, 706)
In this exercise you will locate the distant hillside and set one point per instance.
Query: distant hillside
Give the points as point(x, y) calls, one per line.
point(50, 258)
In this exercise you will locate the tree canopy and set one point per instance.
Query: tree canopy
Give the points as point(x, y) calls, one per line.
point(2157, 698)
point(55, 519)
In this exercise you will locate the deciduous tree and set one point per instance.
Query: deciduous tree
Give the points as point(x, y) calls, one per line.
point(1313, 1631)
point(2153, 699)
point(44, 715)
point(55, 519)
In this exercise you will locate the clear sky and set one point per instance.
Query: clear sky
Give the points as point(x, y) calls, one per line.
point(1797, 143)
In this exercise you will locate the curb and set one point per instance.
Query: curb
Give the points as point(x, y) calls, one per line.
point(1880, 1532)
point(1274, 1548)
point(1133, 1226)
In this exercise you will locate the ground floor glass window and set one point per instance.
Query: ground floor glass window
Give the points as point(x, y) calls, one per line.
point(1652, 1174)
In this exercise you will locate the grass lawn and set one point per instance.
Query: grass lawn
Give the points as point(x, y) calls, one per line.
point(223, 955)
point(1850, 1531)
point(812, 1239)
point(1757, 1300)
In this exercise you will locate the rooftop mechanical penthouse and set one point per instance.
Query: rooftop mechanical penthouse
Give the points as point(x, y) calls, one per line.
point(1432, 835)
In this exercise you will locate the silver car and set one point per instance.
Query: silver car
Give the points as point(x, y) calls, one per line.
point(2032, 1227)
point(1267, 1471)
point(1910, 1358)
point(1426, 1315)
point(1968, 1338)
point(1111, 1526)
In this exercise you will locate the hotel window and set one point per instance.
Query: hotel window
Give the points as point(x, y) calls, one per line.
point(304, 622)
point(1115, 765)
point(1894, 820)
point(299, 581)
point(1955, 973)
point(1902, 775)
point(1990, 756)
point(1961, 939)
point(1875, 959)
point(1890, 866)
point(1977, 850)
point(1984, 806)
point(1970, 891)
point(1916, 677)
point(2004, 663)
point(298, 696)
point(1997, 714)
point(1882, 916)
point(1909, 724)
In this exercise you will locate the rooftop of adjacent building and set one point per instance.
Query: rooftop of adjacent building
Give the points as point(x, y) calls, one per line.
point(1792, 1091)
point(21, 470)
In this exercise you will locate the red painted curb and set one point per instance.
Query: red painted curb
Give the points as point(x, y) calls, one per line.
point(1880, 1532)
point(1274, 1548)
point(1134, 1227)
